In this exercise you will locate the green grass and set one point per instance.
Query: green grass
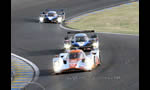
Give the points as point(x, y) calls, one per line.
point(123, 19)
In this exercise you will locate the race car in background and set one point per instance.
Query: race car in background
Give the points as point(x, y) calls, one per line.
point(76, 60)
point(52, 15)
point(80, 40)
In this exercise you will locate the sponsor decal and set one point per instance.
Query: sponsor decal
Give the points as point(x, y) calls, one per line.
point(73, 65)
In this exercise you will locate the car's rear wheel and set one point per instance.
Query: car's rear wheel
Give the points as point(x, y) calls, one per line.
point(95, 61)
point(45, 20)
point(100, 59)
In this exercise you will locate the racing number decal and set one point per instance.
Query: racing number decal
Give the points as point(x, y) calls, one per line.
point(72, 65)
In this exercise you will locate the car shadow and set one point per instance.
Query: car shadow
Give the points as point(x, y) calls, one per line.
point(31, 20)
point(46, 72)
point(35, 20)
point(51, 73)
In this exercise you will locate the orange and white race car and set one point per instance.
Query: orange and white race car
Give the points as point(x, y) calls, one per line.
point(76, 60)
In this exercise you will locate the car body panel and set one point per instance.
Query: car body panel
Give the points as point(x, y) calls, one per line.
point(84, 43)
point(77, 64)
point(52, 15)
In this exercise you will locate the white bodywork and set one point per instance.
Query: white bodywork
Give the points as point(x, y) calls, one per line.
point(59, 18)
point(87, 65)
point(95, 45)
point(41, 19)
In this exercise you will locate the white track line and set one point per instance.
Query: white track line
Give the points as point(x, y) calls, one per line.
point(35, 68)
point(97, 32)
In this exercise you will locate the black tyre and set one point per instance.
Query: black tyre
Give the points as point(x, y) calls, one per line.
point(45, 20)
point(66, 38)
point(100, 59)
point(94, 36)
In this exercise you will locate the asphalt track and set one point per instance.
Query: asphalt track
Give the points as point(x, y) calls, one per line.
point(40, 42)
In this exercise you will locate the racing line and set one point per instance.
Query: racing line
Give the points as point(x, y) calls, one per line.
point(40, 42)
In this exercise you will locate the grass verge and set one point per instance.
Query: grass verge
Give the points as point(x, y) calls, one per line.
point(123, 19)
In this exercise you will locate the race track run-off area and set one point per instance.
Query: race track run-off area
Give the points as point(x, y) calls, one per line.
point(40, 42)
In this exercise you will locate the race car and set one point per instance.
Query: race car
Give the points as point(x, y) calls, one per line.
point(52, 15)
point(81, 40)
point(76, 60)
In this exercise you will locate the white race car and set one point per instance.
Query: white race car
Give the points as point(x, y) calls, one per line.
point(81, 40)
point(52, 15)
point(76, 60)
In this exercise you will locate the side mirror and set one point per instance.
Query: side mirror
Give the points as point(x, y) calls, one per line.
point(66, 38)
point(62, 56)
point(72, 41)
point(94, 53)
point(94, 36)
point(42, 13)
point(56, 55)
point(83, 60)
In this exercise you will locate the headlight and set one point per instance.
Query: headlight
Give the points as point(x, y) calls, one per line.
point(41, 19)
point(56, 66)
point(59, 19)
point(95, 45)
point(56, 63)
point(67, 46)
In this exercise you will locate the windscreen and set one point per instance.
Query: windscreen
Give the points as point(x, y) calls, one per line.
point(51, 14)
point(81, 39)
point(74, 55)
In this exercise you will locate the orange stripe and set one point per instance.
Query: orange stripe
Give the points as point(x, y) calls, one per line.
point(75, 51)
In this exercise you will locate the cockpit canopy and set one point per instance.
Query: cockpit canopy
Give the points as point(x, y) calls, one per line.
point(76, 54)
point(81, 37)
point(52, 13)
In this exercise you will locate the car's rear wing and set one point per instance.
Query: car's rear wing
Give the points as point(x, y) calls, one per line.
point(85, 31)
point(61, 10)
